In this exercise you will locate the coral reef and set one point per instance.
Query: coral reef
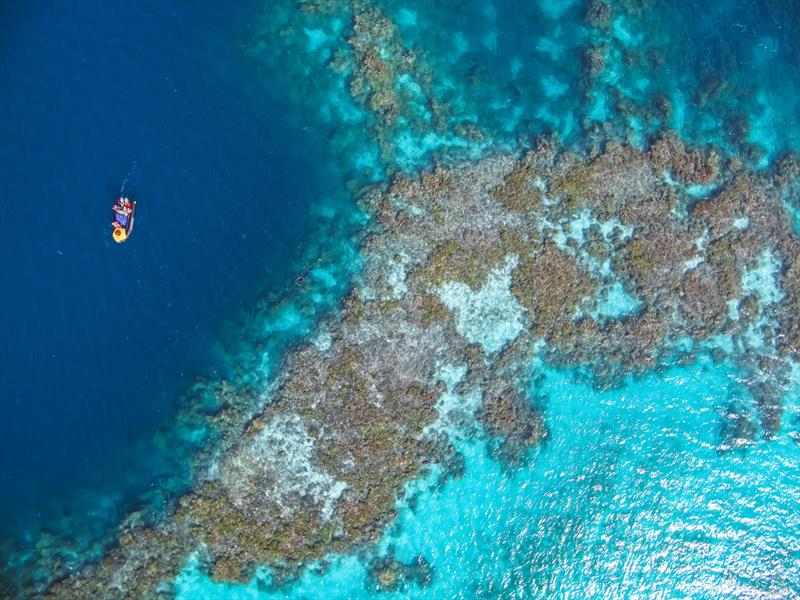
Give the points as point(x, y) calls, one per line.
point(472, 267)
point(512, 419)
point(349, 423)
point(387, 574)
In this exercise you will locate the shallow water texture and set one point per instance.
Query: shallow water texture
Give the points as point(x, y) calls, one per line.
point(729, 72)
point(630, 496)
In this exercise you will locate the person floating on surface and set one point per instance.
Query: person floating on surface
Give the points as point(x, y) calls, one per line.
point(123, 219)
point(119, 234)
point(123, 206)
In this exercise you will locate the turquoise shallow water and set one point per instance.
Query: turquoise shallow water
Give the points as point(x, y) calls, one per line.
point(630, 496)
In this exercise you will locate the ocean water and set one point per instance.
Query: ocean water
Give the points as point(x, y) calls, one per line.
point(632, 494)
point(99, 341)
point(244, 148)
point(718, 69)
point(629, 497)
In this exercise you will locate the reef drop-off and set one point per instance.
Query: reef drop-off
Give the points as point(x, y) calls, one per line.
point(492, 253)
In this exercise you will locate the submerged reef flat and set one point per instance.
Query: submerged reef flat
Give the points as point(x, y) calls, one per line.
point(470, 272)
point(581, 226)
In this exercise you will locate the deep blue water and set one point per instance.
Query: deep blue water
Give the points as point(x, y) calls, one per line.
point(98, 339)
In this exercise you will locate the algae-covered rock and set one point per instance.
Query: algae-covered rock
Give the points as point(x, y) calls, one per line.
point(517, 425)
point(486, 264)
point(469, 265)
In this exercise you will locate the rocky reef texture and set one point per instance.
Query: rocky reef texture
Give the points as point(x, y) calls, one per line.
point(390, 575)
point(470, 271)
point(613, 260)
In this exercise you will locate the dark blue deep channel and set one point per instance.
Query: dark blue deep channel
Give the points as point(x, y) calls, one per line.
point(98, 339)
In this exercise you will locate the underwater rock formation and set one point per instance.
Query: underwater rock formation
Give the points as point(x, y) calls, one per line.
point(387, 574)
point(349, 422)
point(609, 258)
